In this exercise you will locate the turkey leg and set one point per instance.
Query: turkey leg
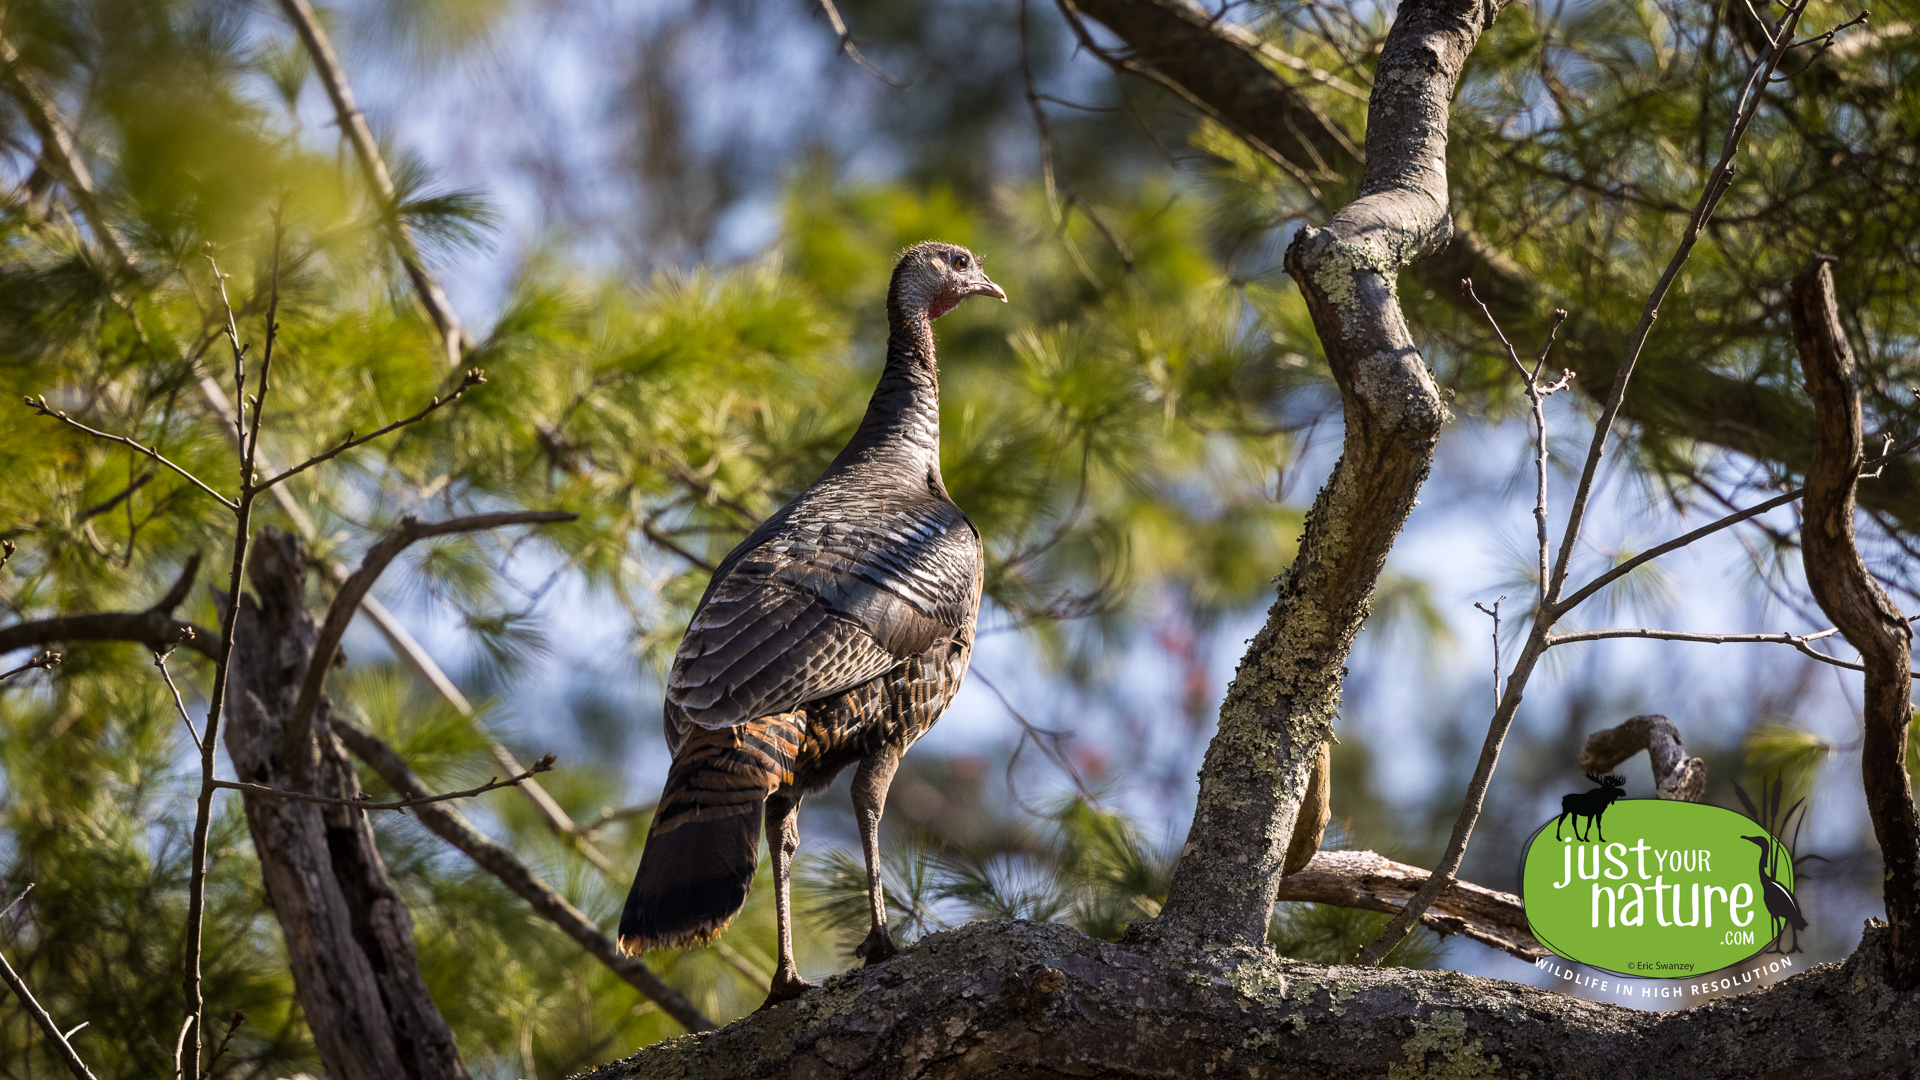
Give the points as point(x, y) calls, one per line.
point(870, 783)
point(783, 839)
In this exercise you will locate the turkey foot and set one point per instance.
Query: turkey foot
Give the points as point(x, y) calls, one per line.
point(785, 988)
point(877, 948)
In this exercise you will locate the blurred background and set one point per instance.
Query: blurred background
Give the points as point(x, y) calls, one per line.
point(666, 229)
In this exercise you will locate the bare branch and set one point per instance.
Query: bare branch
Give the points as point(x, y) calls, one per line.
point(1798, 641)
point(155, 627)
point(450, 825)
point(1494, 614)
point(33, 1008)
point(160, 661)
point(187, 1054)
point(1675, 775)
point(545, 764)
point(853, 52)
point(347, 600)
point(1709, 529)
point(46, 659)
point(39, 405)
point(1371, 882)
point(474, 377)
point(1747, 105)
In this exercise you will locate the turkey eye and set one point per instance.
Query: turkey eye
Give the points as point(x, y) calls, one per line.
point(959, 262)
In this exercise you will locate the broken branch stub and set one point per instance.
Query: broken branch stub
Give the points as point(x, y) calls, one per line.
point(1675, 775)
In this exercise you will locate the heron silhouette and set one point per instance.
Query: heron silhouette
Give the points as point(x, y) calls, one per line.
point(1781, 905)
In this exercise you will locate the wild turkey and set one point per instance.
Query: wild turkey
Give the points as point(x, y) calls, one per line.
point(837, 633)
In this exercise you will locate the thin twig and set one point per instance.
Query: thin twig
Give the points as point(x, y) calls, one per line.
point(545, 764)
point(52, 1031)
point(190, 1044)
point(160, 661)
point(1798, 641)
point(233, 1026)
point(1494, 614)
point(45, 659)
point(39, 405)
point(474, 377)
point(1711, 527)
point(1536, 397)
point(853, 51)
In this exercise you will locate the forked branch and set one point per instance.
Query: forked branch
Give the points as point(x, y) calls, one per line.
point(347, 601)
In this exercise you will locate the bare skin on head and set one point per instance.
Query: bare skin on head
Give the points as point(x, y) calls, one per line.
point(835, 635)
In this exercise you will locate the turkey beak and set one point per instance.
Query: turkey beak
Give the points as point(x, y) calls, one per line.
point(983, 287)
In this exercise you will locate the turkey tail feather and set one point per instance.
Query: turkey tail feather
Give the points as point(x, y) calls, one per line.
point(692, 881)
point(705, 842)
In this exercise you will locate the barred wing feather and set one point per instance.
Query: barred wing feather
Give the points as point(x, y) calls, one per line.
point(820, 600)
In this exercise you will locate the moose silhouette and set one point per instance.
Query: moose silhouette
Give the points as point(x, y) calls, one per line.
point(1590, 805)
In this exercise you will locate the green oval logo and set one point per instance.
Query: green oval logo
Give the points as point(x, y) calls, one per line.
point(1658, 889)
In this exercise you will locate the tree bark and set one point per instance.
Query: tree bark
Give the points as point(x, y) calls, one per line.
point(348, 935)
point(1280, 707)
point(1373, 882)
point(1860, 607)
point(1017, 999)
point(1675, 775)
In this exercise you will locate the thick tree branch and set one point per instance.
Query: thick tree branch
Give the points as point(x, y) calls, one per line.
point(156, 628)
point(450, 825)
point(1860, 608)
point(1281, 705)
point(354, 589)
point(1675, 775)
point(1221, 66)
point(1013, 999)
point(1371, 882)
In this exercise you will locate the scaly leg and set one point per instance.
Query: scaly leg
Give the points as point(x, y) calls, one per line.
point(870, 783)
point(783, 838)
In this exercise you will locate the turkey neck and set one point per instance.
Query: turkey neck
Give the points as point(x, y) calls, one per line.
point(900, 434)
